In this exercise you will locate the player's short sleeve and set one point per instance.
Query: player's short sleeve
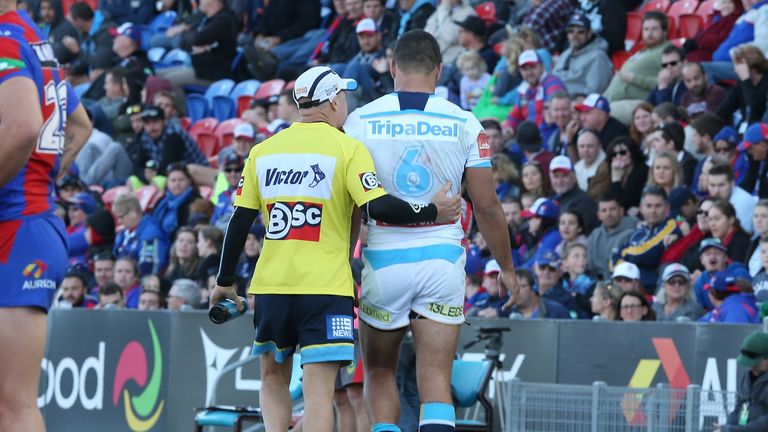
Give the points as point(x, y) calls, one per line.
point(14, 59)
point(476, 144)
point(72, 100)
point(361, 180)
point(247, 193)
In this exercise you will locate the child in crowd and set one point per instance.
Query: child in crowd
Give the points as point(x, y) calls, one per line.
point(474, 80)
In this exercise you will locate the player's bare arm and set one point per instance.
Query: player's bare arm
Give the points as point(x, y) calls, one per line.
point(78, 130)
point(20, 124)
point(490, 219)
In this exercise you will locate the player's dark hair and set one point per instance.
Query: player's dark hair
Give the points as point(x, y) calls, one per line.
point(417, 51)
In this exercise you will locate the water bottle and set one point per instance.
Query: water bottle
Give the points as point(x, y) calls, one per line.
point(226, 310)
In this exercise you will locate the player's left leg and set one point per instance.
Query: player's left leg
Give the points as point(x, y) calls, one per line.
point(22, 335)
point(435, 349)
point(318, 386)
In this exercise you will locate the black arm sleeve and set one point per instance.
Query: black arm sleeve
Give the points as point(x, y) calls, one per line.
point(393, 210)
point(234, 240)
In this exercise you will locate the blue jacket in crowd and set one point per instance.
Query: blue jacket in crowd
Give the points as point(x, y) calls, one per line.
point(737, 308)
point(644, 248)
point(738, 270)
point(743, 31)
point(132, 11)
point(548, 243)
point(147, 244)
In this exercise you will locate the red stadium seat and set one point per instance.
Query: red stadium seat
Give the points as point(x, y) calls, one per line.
point(110, 195)
point(207, 124)
point(671, 28)
point(659, 5)
point(146, 195)
point(208, 143)
point(226, 131)
point(269, 88)
point(243, 103)
point(186, 122)
point(689, 26)
point(682, 7)
point(618, 58)
point(706, 9)
point(634, 29)
point(487, 12)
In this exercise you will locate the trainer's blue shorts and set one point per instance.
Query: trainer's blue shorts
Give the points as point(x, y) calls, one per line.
point(322, 326)
point(33, 259)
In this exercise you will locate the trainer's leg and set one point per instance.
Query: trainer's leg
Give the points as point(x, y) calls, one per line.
point(345, 414)
point(318, 385)
point(22, 334)
point(274, 397)
point(435, 349)
point(380, 353)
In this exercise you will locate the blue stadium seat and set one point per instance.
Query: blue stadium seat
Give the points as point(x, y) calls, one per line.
point(176, 57)
point(155, 55)
point(162, 22)
point(197, 107)
point(245, 88)
point(219, 88)
point(223, 108)
point(469, 381)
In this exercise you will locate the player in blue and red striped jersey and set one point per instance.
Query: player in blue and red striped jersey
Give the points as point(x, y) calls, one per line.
point(33, 248)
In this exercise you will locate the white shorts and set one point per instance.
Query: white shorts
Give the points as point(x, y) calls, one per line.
point(428, 280)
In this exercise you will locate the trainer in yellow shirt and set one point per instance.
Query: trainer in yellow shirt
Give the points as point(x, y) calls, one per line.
point(307, 181)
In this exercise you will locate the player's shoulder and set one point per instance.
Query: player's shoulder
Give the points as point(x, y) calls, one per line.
point(441, 105)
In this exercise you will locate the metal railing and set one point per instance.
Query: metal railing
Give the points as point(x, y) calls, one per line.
point(600, 408)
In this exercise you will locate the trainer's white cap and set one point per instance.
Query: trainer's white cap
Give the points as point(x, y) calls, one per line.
point(320, 84)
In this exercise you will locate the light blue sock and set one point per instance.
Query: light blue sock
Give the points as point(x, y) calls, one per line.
point(385, 427)
point(437, 417)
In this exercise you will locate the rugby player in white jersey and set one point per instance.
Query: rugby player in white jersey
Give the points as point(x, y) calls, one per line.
point(414, 275)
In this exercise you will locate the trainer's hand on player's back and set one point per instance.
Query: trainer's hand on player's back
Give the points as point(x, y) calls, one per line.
point(448, 208)
point(222, 293)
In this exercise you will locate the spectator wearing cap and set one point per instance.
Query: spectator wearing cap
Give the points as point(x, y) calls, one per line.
point(646, 244)
point(244, 139)
point(79, 208)
point(751, 410)
point(543, 234)
point(213, 47)
point(535, 93)
point(529, 142)
point(368, 67)
point(755, 145)
point(592, 172)
point(714, 259)
point(56, 26)
point(127, 46)
point(551, 285)
point(732, 298)
point(159, 142)
point(414, 14)
point(595, 114)
point(726, 144)
point(637, 77)
point(676, 298)
point(68, 186)
point(232, 167)
point(615, 227)
point(670, 87)
point(722, 184)
point(141, 237)
point(585, 66)
point(103, 161)
point(473, 36)
point(548, 18)
point(626, 276)
point(568, 194)
point(442, 24)
point(529, 305)
point(488, 304)
point(701, 96)
point(94, 50)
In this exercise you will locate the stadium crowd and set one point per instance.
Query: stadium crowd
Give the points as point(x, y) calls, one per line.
point(628, 141)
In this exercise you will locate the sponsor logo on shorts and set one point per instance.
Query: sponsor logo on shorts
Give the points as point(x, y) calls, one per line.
point(369, 181)
point(294, 221)
point(35, 270)
point(483, 147)
point(339, 326)
point(436, 129)
point(377, 314)
point(446, 310)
